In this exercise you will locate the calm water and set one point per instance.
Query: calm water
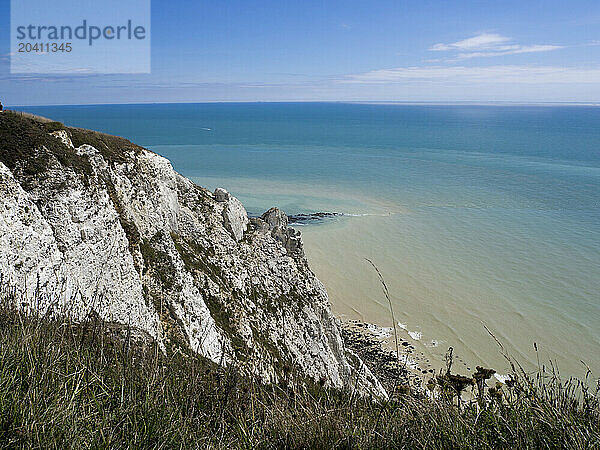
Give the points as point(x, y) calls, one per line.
point(474, 214)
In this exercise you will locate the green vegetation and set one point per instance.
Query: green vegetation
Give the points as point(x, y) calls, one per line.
point(112, 148)
point(53, 126)
point(21, 135)
point(79, 386)
point(158, 262)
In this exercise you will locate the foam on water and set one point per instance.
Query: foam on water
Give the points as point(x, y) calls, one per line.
point(416, 335)
point(379, 332)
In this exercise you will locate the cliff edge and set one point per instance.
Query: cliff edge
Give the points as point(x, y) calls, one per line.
point(91, 224)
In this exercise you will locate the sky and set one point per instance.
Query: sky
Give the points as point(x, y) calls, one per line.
point(351, 50)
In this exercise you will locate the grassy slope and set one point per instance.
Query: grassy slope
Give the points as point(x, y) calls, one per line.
point(20, 134)
point(67, 386)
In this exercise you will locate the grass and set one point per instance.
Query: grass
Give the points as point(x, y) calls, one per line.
point(20, 135)
point(113, 148)
point(66, 385)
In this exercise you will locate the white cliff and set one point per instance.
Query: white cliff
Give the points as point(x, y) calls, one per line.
point(92, 224)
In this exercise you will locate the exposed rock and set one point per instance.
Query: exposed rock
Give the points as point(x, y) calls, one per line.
point(221, 195)
point(111, 229)
point(275, 218)
point(234, 215)
point(275, 221)
point(291, 240)
point(383, 362)
point(313, 217)
point(259, 225)
point(64, 137)
point(235, 218)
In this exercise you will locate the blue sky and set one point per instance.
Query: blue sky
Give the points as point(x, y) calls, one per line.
point(524, 51)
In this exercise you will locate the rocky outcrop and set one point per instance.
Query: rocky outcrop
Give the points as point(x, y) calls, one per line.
point(235, 217)
point(275, 221)
point(275, 218)
point(63, 136)
point(93, 224)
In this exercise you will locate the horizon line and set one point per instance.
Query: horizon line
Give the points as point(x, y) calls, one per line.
point(359, 102)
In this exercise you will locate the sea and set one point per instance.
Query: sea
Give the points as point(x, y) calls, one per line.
point(484, 220)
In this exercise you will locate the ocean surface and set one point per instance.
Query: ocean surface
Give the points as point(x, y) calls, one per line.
point(475, 215)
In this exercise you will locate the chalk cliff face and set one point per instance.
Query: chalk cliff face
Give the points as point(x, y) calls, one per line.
point(93, 224)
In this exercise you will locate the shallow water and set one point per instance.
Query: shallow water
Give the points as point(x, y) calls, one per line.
point(474, 214)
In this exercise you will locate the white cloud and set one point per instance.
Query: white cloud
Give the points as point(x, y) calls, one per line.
point(487, 45)
point(481, 41)
point(486, 74)
point(514, 51)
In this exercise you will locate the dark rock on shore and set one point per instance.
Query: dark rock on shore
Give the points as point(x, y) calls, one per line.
point(393, 374)
point(306, 218)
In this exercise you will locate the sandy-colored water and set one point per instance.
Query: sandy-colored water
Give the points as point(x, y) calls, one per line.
point(447, 280)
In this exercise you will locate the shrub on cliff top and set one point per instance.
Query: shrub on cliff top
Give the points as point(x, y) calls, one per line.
point(53, 126)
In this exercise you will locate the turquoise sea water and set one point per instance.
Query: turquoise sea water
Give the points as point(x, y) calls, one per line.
point(474, 214)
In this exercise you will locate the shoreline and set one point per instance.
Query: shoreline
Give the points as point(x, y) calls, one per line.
point(409, 368)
